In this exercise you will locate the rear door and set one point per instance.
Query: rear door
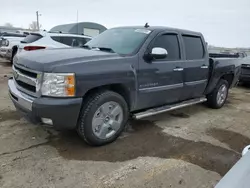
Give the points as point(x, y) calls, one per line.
point(161, 80)
point(196, 67)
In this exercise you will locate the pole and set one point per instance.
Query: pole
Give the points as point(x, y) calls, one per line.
point(37, 20)
point(77, 21)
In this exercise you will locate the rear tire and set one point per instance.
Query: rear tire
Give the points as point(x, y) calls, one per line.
point(103, 118)
point(219, 95)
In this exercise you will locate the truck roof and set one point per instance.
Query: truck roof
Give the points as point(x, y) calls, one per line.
point(162, 28)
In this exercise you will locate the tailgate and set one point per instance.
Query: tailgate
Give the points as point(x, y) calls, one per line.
point(245, 69)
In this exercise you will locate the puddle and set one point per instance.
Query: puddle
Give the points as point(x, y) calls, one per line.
point(9, 115)
point(234, 140)
point(146, 140)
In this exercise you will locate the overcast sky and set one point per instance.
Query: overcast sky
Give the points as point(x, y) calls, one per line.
point(223, 22)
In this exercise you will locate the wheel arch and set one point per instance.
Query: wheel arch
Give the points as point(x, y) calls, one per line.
point(229, 77)
point(14, 50)
point(119, 88)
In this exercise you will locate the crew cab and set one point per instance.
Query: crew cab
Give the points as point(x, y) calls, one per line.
point(124, 72)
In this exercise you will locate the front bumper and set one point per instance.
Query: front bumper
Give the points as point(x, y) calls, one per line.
point(3, 52)
point(63, 112)
point(6, 52)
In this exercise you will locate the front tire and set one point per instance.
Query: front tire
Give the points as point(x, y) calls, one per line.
point(13, 55)
point(103, 118)
point(219, 95)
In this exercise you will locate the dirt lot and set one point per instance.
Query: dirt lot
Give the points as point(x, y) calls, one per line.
point(191, 147)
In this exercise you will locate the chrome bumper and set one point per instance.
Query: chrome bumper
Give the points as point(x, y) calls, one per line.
point(3, 53)
point(20, 99)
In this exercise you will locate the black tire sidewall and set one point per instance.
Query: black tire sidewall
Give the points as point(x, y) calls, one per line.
point(86, 119)
point(13, 55)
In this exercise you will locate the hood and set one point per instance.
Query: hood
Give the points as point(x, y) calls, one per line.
point(47, 60)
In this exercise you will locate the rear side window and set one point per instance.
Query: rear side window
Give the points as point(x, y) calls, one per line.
point(31, 38)
point(170, 43)
point(57, 39)
point(67, 40)
point(71, 41)
point(193, 47)
point(80, 41)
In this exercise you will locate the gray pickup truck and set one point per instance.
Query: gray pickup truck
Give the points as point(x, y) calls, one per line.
point(124, 72)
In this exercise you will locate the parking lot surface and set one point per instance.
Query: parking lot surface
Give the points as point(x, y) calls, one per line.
point(192, 147)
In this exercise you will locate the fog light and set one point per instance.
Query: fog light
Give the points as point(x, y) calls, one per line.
point(47, 121)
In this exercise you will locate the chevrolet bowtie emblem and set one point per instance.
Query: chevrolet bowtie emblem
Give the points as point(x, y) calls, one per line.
point(15, 74)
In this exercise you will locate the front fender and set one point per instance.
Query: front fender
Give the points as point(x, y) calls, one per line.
point(121, 74)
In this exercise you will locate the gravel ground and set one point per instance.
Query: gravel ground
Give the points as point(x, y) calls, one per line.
point(192, 147)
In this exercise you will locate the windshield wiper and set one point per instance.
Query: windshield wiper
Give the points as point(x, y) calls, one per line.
point(105, 49)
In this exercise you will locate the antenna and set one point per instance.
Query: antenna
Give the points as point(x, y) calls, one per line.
point(146, 25)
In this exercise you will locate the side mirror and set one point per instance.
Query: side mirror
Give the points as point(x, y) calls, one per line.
point(159, 53)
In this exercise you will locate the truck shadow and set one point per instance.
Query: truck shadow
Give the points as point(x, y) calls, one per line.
point(146, 139)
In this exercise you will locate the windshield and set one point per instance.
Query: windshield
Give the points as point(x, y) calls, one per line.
point(120, 40)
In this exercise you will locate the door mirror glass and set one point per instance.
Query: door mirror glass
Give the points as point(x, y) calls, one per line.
point(159, 53)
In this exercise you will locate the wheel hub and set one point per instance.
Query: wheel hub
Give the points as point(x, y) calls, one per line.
point(107, 120)
point(222, 94)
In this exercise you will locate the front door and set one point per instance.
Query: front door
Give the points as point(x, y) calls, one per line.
point(161, 80)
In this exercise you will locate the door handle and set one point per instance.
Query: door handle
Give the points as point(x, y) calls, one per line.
point(178, 69)
point(204, 67)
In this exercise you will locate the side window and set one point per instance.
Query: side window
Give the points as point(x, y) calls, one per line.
point(170, 43)
point(68, 41)
point(78, 41)
point(193, 47)
point(57, 39)
point(71, 41)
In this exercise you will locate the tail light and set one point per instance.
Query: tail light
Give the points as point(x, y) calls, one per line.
point(30, 48)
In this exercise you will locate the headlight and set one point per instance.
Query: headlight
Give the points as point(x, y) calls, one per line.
point(58, 84)
point(5, 43)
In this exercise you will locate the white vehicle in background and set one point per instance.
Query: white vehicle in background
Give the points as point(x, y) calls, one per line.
point(239, 174)
point(49, 40)
point(7, 44)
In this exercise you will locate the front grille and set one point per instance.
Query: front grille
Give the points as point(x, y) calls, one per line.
point(25, 80)
point(28, 73)
point(26, 86)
